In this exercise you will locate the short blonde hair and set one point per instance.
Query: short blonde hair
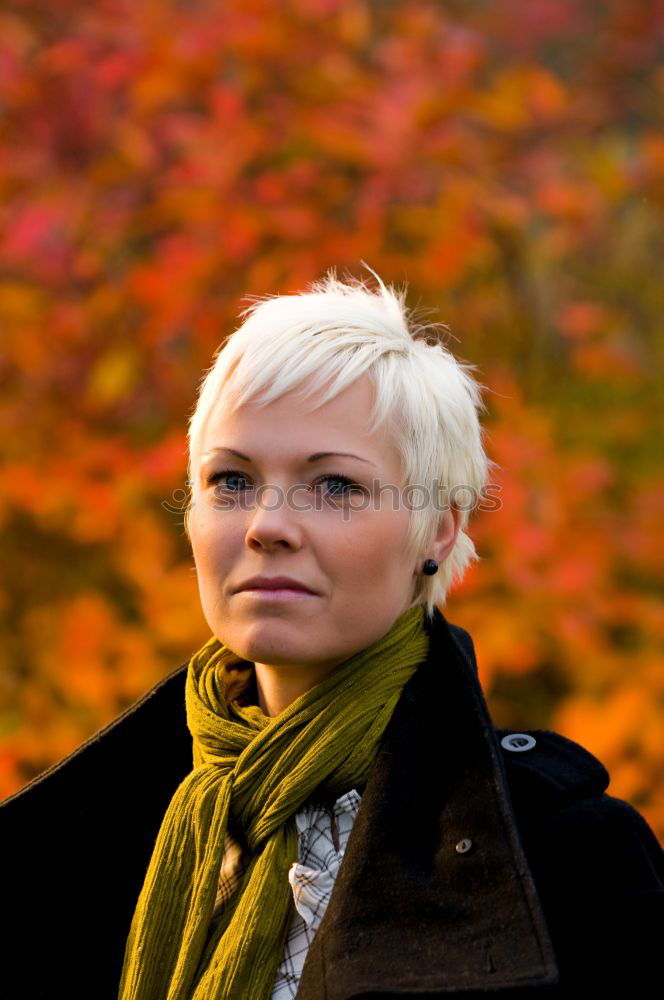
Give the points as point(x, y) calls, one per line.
point(336, 331)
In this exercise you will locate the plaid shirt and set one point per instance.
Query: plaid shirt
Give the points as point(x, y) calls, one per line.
point(322, 833)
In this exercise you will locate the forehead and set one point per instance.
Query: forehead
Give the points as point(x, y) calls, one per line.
point(293, 427)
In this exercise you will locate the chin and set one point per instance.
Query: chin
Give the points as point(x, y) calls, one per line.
point(269, 640)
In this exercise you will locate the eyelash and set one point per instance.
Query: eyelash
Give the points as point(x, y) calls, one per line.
point(216, 476)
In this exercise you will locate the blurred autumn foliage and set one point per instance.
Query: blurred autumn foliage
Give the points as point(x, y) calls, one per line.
point(160, 160)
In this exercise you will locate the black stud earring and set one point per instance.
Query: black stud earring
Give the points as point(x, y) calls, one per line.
point(430, 567)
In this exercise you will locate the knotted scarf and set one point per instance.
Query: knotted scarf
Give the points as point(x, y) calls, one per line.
point(254, 771)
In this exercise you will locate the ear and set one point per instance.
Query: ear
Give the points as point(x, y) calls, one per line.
point(446, 535)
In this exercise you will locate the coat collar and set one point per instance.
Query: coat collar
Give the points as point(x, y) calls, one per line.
point(411, 911)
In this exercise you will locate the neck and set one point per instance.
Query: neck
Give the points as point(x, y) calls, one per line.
point(279, 687)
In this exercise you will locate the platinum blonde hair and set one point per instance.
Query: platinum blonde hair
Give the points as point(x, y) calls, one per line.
point(334, 332)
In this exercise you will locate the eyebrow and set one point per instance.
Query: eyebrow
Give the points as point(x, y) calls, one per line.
point(316, 457)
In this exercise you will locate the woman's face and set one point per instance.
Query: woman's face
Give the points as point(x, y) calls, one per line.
point(341, 544)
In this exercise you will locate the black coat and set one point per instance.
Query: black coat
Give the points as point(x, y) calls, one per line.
point(470, 867)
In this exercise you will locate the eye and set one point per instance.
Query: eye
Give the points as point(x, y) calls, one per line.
point(231, 473)
point(343, 486)
point(349, 485)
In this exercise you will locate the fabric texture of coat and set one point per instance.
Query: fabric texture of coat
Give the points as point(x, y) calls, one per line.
point(470, 868)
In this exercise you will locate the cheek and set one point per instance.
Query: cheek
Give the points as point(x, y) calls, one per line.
point(375, 551)
point(213, 543)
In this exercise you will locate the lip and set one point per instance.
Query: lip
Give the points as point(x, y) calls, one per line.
point(283, 585)
point(275, 596)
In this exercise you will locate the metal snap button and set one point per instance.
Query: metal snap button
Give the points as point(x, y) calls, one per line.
point(518, 742)
point(464, 846)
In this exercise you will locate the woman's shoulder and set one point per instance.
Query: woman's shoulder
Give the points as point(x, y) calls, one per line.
point(597, 864)
point(573, 831)
point(117, 755)
point(557, 785)
point(548, 770)
point(558, 790)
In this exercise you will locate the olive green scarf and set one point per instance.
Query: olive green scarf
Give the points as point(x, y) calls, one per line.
point(257, 771)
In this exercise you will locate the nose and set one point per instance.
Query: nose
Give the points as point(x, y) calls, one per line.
point(272, 524)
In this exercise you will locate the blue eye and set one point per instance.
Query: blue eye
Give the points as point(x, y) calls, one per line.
point(345, 488)
point(232, 473)
point(348, 484)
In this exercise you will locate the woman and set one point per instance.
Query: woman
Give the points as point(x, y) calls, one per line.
point(353, 824)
